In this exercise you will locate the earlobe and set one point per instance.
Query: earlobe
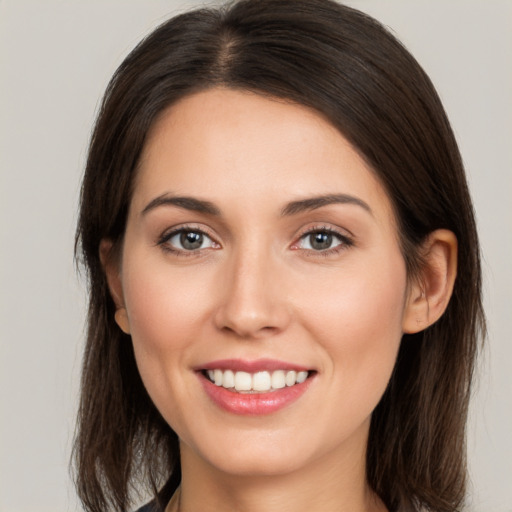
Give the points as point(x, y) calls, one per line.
point(121, 318)
point(111, 268)
point(430, 293)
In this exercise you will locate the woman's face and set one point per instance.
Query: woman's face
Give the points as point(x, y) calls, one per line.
point(260, 249)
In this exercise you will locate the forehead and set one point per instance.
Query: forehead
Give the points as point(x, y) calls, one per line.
point(227, 145)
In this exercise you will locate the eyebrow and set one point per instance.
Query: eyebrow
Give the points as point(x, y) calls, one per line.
point(187, 203)
point(313, 203)
point(292, 208)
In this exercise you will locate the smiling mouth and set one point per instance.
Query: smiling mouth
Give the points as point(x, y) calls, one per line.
point(258, 382)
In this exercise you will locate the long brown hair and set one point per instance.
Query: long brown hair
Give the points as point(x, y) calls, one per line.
point(348, 67)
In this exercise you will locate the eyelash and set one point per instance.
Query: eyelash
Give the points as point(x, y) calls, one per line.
point(166, 236)
point(345, 241)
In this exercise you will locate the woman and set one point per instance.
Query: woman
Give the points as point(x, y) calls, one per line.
point(284, 272)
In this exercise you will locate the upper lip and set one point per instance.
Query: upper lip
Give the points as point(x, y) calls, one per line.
point(252, 366)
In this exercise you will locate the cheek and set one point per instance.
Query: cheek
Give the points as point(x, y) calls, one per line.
point(162, 308)
point(166, 321)
point(357, 319)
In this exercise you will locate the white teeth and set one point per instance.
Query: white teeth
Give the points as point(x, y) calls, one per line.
point(301, 377)
point(228, 380)
point(291, 378)
point(278, 381)
point(259, 381)
point(243, 381)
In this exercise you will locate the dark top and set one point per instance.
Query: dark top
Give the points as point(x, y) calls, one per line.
point(150, 507)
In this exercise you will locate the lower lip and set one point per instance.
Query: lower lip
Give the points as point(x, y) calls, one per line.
point(253, 404)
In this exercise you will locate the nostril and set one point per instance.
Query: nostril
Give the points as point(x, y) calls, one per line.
point(251, 313)
point(247, 332)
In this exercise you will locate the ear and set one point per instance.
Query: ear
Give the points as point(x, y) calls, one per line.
point(429, 294)
point(111, 265)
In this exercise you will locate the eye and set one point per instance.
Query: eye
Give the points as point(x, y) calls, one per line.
point(323, 240)
point(187, 240)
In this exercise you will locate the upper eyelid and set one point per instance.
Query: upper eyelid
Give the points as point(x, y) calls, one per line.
point(169, 232)
point(344, 233)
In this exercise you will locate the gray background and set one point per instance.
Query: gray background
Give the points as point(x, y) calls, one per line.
point(55, 60)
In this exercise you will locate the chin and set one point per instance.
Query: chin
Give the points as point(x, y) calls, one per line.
point(262, 464)
point(252, 453)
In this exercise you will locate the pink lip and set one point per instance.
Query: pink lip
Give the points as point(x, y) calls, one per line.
point(252, 403)
point(257, 365)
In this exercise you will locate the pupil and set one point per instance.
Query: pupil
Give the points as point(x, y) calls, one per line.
point(190, 240)
point(320, 241)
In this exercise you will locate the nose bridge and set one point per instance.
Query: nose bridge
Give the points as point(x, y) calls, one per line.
point(253, 303)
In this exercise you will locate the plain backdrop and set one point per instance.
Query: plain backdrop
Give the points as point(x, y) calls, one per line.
point(56, 58)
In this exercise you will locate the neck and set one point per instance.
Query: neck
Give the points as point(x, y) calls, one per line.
point(328, 483)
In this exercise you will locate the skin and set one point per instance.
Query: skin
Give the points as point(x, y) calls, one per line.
point(257, 290)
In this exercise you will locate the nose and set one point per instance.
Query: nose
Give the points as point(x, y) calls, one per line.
point(253, 302)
